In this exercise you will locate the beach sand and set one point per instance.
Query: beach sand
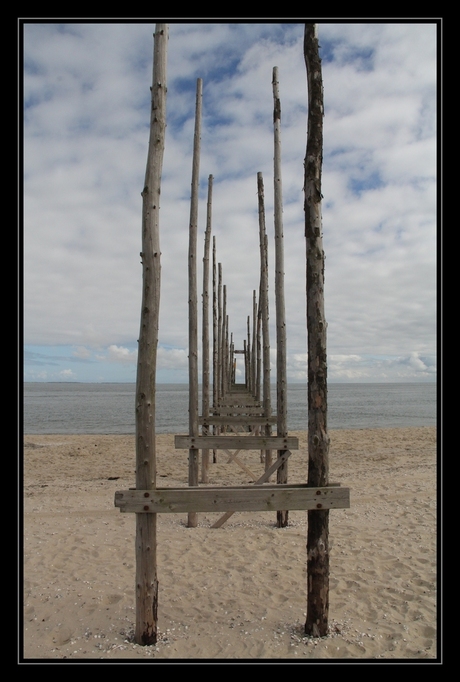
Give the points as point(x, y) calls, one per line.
point(238, 592)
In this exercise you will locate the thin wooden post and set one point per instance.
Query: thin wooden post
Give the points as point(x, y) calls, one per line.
point(249, 359)
point(318, 439)
point(281, 387)
point(219, 334)
point(263, 245)
point(254, 345)
point(193, 302)
point(258, 349)
point(224, 341)
point(205, 335)
point(146, 524)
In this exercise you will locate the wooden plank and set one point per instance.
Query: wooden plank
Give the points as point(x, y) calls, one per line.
point(234, 420)
point(236, 410)
point(236, 442)
point(232, 499)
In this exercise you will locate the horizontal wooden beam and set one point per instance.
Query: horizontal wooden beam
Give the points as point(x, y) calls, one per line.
point(231, 499)
point(236, 410)
point(244, 420)
point(236, 443)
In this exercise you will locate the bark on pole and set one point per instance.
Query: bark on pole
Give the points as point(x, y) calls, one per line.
point(146, 568)
point(193, 302)
point(205, 333)
point(318, 440)
point(281, 386)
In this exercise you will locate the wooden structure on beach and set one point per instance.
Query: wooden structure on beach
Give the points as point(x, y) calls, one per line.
point(240, 417)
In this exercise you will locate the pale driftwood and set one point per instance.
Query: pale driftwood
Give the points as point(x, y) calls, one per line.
point(205, 334)
point(193, 299)
point(318, 439)
point(281, 382)
point(238, 498)
point(146, 569)
point(236, 442)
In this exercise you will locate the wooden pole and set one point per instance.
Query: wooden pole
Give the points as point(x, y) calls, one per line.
point(263, 245)
point(258, 349)
point(249, 358)
point(205, 335)
point(254, 345)
point(318, 440)
point(193, 302)
point(281, 387)
point(215, 381)
point(219, 334)
point(224, 341)
point(146, 566)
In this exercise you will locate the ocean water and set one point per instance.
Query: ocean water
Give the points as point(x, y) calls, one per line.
point(109, 408)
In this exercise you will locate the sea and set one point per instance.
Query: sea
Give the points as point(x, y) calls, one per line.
point(109, 408)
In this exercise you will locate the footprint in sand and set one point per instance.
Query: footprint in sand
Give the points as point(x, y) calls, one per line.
point(112, 599)
point(61, 635)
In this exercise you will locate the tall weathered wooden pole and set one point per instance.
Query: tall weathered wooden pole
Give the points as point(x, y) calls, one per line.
point(205, 334)
point(215, 381)
point(318, 440)
point(146, 566)
point(254, 345)
point(263, 302)
point(193, 302)
point(219, 334)
point(281, 382)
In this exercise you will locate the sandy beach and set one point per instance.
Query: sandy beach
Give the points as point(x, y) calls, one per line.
point(238, 592)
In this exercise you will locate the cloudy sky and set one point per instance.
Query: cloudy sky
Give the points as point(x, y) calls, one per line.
point(86, 127)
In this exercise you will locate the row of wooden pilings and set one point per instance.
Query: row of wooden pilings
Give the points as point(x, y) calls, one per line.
point(318, 495)
point(256, 352)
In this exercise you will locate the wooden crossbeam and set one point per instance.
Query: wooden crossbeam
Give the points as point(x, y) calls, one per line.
point(232, 457)
point(236, 442)
point(235, 410)
point(235, 420)
point(265, 477)
point(231, 499)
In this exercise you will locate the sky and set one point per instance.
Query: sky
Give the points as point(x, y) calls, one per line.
point(86, 96)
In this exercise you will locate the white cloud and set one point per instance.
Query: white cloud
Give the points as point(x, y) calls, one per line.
point(85, 148)
point(67, 374)
point(120, 354)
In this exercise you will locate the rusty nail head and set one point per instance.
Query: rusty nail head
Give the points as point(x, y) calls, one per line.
point(146, 507)
point(318, 492)
point(146, 494)
point(319, 506)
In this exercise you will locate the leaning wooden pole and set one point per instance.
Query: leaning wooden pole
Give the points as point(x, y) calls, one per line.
point(146, 568)
point(281, 383)
point(205, 335)
point(193, 302)
point(318, 440)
